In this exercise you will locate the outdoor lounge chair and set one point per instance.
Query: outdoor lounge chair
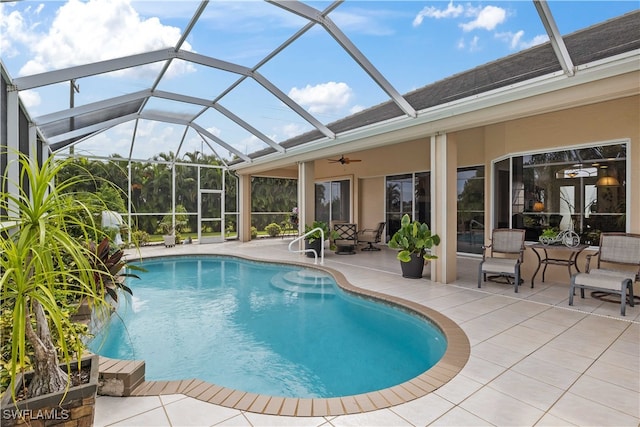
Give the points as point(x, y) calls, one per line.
point(346, 238)
point(371, 236)
point(508, 244)
point(618, 249)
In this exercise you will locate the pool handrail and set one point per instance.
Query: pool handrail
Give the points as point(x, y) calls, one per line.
point(315, 253)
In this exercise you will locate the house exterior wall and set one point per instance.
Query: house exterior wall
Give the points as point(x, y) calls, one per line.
point(614, 120)
point(598, 123)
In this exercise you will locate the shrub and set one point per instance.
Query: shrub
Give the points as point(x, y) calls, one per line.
point(273, 229)
point(254, 232)
point(140, 238)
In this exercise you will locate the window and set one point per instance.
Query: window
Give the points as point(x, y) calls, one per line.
point(581, 189)
point(333, 201)
point(470, 187)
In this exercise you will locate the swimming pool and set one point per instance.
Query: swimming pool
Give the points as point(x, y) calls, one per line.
point(266, 328)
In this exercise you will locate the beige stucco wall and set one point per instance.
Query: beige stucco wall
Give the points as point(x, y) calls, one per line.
point(400, 158)
point(471, 146)
point(371, 201)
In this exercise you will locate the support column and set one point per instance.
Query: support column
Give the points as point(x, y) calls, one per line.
point(244, 208)
point(13, 143)
point(444, 211)
point(306, 195)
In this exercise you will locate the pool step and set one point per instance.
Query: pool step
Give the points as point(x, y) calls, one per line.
point(119, 377)
point(304, 282)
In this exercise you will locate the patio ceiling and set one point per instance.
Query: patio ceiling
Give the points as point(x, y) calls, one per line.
point(74, 125)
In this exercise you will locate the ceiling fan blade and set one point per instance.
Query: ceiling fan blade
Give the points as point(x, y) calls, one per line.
point(344, 160)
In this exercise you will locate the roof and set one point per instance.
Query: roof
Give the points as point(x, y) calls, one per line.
point(600, 41)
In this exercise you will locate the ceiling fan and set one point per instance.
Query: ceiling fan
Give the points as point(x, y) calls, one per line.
point(344, 160)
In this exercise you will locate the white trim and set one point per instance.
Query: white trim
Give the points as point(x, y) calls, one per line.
point(565, 148)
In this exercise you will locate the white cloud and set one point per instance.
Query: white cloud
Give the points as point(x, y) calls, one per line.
point(323, 98)
point(487, 18)
point(432, 12)
point(356, 109)
point(473, 46)
point(539, 39)
point(30, 98)
point(91, 31)
point(215, 131)
point(290, 130)
point(251, 144)
point(516, 42)
point(364, 20)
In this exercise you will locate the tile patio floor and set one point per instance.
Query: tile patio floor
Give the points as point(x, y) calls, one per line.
point(534, 360)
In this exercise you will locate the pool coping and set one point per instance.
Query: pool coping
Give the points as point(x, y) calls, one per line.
point(454, 359)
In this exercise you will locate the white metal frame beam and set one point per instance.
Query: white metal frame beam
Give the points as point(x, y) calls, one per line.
point(557, 42)
point(58, 76)
point(315, 15)
point(111, 102)
point(95, 68)
point(90, 108)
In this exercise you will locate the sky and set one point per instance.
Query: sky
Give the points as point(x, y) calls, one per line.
point(412, 43)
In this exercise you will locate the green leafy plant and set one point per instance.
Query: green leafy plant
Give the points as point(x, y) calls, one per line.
point(181, 222)
point(140, 238)
point(254, 232)
point(43, 267)
point(413, 238)
point(316, 234)
point(109, 269)
point(273, 229)
point(551, 233)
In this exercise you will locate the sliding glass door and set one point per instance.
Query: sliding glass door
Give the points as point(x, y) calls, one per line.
point(408, 194)
point(333, 201)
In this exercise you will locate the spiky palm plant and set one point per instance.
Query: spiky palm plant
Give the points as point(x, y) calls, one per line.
point(43, 265)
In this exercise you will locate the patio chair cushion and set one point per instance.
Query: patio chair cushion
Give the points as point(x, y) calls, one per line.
point(603, 279)
point(500, 265)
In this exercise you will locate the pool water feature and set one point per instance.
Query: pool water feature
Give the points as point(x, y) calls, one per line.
point(265, 328)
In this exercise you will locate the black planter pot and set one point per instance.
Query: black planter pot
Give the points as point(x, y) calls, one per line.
point(413, 269)
point(316, 244)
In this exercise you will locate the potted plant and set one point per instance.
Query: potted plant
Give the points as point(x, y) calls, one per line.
point(46, 269)
point(314, 240)
point(415, 241)
point(171, 235)
point(548, 236)
point(168, 234)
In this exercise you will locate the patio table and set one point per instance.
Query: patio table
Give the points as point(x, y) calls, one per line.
point(560, 259)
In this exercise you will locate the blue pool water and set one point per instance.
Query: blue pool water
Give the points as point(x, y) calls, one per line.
point(265, 328)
